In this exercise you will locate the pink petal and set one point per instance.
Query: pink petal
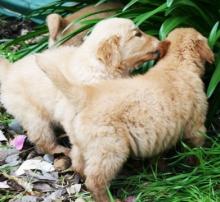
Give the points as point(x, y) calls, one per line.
point(18, 141)
point(130, 199)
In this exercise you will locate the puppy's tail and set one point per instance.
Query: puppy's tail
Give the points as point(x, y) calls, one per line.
point(75, 93)
point(4, 66)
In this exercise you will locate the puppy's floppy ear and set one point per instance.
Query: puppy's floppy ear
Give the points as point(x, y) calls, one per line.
point(108, 51)
point(205, 51)
point(55, 25)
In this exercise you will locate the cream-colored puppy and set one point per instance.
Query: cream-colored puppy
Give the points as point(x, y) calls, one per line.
point(60, 27)
point(114, 47)
point(142, 116)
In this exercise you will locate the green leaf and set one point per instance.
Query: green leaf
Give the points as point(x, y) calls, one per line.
point(214, 35)
point(169, 25)
point(169, 3)
point(132, 2)
point(214, 80)
point(183, 3)
point(141, 18)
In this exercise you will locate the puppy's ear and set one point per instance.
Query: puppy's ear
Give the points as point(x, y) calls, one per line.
point(55, 25)
point(54, 22)
point(205, 51)
point(108, 51)
point(163, 47)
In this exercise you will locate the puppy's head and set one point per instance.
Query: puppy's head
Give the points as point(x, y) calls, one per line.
point(188, 39)
point(121, 46)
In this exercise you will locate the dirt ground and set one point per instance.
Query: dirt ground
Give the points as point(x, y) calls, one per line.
point(12, 27)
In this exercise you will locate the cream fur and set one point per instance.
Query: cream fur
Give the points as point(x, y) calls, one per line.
point(34, 101)
point(142, 116)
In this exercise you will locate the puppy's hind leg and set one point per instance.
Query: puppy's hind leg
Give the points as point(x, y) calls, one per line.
point(103, 159)
point(34, 118)
point(78, 163)
point(41, 133)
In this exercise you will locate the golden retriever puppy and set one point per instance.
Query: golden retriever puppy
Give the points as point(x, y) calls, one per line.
point(60, 27)
point(33, 100)
point(142, 116)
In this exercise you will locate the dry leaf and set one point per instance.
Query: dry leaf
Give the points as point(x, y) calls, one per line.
point(34, 164)
point(75, 188)
point(4, 185)
point(2, 137)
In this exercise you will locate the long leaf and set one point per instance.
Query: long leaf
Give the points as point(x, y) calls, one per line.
point(214, 35)
point(169, 25)
point(141, 18)
point(214, 80)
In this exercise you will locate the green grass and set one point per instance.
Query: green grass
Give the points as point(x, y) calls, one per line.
point(182, 182)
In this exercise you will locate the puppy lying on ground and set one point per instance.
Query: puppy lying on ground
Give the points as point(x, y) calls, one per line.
point(30, 96)
point(59, 27)
point(141, 116)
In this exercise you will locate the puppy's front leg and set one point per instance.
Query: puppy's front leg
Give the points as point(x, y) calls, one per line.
point(39, 132)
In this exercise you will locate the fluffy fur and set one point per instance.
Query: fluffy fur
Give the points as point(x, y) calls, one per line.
point(34, 101)
point(141, 116)
point(59, 26)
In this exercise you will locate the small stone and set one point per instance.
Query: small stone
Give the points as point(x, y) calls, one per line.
point(62, 163)
point(15, 126)
point(49, 158)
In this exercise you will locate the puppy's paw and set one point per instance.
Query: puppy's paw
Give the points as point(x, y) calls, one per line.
point(62, 163)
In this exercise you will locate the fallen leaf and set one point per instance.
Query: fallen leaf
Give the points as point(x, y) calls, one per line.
point(4, 185)
point(55, 196)
point(43, 187)
point(13, 160)
point(6, 151)
point(18, 142)
point(19, 183)
point(34, 164)
point(73, 189)
point(25, 199)
point(2, 137)
point(42, 176)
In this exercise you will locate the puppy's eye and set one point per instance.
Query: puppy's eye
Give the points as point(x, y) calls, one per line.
point(138, 34)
